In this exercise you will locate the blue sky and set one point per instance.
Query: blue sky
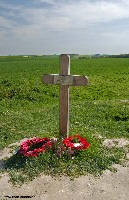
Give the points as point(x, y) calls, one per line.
point(64, 26)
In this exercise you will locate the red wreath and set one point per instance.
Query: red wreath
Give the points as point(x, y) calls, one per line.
point(33, 147)
point(69, 142)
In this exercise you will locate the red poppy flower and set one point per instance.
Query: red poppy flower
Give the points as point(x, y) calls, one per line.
point(34, 146)
point(80, 144)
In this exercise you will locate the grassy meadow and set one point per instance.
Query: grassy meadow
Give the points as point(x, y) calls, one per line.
point(29, 108)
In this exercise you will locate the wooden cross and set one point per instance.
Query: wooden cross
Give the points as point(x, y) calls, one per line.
point(64, 80)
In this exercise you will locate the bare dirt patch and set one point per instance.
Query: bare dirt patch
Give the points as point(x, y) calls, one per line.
point(109, 186)
point(119, 143)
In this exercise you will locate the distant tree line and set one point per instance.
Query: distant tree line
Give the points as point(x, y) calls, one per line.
point(120, 56)
point(104, 56)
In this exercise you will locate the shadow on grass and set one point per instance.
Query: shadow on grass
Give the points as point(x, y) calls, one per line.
point(2, 164)
point(16, 162)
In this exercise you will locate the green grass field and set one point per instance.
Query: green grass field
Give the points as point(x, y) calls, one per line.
point(29, 108)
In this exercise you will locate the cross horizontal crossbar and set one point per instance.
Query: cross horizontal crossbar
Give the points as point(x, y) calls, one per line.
point(75, 80)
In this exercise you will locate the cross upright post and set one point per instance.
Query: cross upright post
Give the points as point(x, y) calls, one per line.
point(64, 97)
point(64, 79)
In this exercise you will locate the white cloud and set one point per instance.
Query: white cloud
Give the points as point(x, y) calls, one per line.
point(2, 34)
point(99, 11)
point(6, 23)
point(77, 14)
point(67, 18)
point(49, 1)
point(70, 15)
point(116, 36)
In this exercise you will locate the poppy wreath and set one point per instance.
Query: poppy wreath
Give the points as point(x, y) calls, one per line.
point(33, 147)
point(76, 142)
